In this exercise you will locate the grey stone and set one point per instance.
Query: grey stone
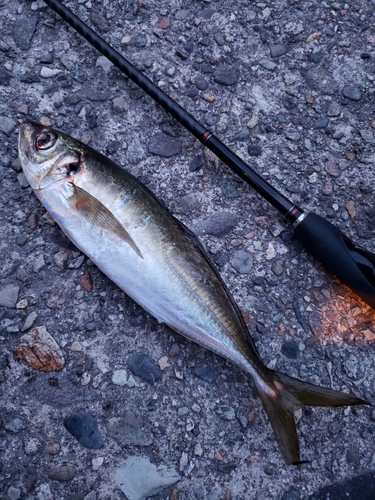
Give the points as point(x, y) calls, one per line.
point(215, 494)
point(196, 163)
point(5, 77)
point(277, 267)
point(119, 105)
point(186, 203)
point(182, 14)
point(90, 496)
point(7, 125)
point(199, 491)
point(162, 146)
point(62, 473)
point(321, 123)
point(23, 31)
point(292, 494)
point(265, 63)
point(254, 150)
point(278, 50)
point(352, 92)
point(112, 147)
point(120, 377)
point(332, 168)
point(181, 412)
point(32, 445)
point(289, 349)
point(201, 83)
point(205, 373)
point(104, 63)
point(182, 53)
point(352, 456)
point(138, 478)
point(135, 152)
point(367, 136)
point(140, 41)
point(316, 57)
point(219, 224)
point(227, 468)
point(84, 428)
point(23, 182)
point(227, 76)
point(223, 122)
point(99, 22)
point(9, 295)
point(4, 47)
point(242, 262)
point(49, 72)
point(142, 366)
point(229, 189)
point(15, 425)
point(77, 262)
point(14, 493)
point(129, 429)
point(350, 366)
point(229, 414)
point(39, 263)
point(334, 109)
point(29, 321)
point(219, 39)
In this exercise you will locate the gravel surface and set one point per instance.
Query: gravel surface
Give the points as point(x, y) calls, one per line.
point(122, 400)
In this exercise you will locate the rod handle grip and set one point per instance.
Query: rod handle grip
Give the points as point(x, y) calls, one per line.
point(354, 266)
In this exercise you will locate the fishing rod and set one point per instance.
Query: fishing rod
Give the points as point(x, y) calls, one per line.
point(354, 266)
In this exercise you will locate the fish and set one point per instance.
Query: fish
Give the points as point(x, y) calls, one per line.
point(157, 261)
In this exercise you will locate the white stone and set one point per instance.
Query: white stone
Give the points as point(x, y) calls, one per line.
point(138, 478)
point(97, 463)
point(49, 72)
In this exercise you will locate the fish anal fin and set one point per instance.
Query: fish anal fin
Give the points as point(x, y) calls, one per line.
point(98, 215)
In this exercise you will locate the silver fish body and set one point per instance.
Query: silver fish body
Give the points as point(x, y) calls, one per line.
point(115, 220)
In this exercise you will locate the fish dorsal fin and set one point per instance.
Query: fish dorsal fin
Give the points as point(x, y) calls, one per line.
point(98, 215)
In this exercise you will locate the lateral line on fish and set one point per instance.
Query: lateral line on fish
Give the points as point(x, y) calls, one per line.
point(203, 299)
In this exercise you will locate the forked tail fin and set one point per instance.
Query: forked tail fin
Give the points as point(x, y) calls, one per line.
point(281, 395)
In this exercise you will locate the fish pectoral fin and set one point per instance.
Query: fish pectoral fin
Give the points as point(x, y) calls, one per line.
point(281, 395)
point(98, 215)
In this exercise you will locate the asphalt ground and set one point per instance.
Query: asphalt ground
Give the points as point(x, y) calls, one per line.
point(289, 86)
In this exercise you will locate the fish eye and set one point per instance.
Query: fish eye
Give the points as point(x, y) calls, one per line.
point(45, 140)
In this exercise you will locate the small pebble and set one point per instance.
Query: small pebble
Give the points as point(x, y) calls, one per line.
point(351, 92)
point(242, 262)
point(29, 321)
point(84, 428)
point(97, 463)
point(14, 493)
point(205, 373)
point(51, 448)
point(162, 146)
point(62, 473)
point(290, 349)
point(227, 76)
point(142, 366)
point(9, 295)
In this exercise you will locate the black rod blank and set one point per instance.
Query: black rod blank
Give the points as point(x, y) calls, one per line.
point(277, 199)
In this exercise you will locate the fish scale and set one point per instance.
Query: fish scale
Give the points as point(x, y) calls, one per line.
point(157, 261)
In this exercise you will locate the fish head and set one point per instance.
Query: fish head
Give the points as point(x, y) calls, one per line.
point(47, 156)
